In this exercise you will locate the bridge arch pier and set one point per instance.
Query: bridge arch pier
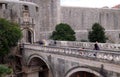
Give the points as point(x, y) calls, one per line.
point(82, 70)
point(37, 66)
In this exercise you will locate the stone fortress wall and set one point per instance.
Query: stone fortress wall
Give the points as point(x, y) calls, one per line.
point(81, 20)
point(38, 18)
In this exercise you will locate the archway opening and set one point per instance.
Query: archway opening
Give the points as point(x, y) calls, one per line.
point(38, 65)
point(82, 74)
point(29, 36)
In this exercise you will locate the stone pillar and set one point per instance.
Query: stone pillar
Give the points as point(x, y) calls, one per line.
point(32, 74)
point(30, 71)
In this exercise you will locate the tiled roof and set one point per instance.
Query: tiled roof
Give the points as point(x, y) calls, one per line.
point(117, 6)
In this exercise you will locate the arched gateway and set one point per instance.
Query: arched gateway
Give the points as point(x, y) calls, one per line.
point(28, 35)
point(37, 67)
point(82, 72)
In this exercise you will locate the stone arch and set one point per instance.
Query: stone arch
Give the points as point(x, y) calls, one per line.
point(50, 73)
point(79, 69)
point(28, 35)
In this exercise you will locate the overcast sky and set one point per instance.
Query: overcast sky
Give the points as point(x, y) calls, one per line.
point(90, 3)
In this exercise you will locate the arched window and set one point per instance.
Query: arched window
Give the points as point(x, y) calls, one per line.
point(3, 6)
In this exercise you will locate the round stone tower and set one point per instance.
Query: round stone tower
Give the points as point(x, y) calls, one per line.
point(25, 14)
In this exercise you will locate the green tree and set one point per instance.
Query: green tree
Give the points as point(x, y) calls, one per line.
point(10, 33)
point(63, 32)
point(4, 70)
point(97, 34)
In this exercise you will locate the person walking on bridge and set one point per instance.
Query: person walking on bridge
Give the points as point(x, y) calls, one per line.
point(96, 47)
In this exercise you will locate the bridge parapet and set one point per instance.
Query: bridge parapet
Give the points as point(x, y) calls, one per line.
point(107, 56)
point(89, 45)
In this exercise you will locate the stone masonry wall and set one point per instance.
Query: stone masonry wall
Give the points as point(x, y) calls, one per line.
point(49, 11)
point(63, 65)
point(82, 19)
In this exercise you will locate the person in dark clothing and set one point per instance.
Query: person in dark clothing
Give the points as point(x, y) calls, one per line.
point(41, 42)
point(55, 42)
point(96, 47)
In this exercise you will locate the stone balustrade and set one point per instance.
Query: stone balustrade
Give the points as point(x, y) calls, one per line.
point(89, 45)
point(109, 56)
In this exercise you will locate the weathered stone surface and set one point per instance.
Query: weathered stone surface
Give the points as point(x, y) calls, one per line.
point(42, 16)
point(63, 65)
point(82, 19)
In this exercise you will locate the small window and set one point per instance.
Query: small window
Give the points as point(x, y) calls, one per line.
point(3, 6)
point(26, 7)
point(36, 9)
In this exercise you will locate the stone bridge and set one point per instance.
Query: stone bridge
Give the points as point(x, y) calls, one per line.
point(67, 61)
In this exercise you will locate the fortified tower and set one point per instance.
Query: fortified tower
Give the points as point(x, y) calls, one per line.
point(25, 14)
point(37, 18)
point(49, 11)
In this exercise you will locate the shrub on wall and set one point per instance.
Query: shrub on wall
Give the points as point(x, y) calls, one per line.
point(4, 70)
point(97, 34)
point(63, 32)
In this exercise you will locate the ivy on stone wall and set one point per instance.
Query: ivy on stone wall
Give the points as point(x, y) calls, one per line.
point(10, 34)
